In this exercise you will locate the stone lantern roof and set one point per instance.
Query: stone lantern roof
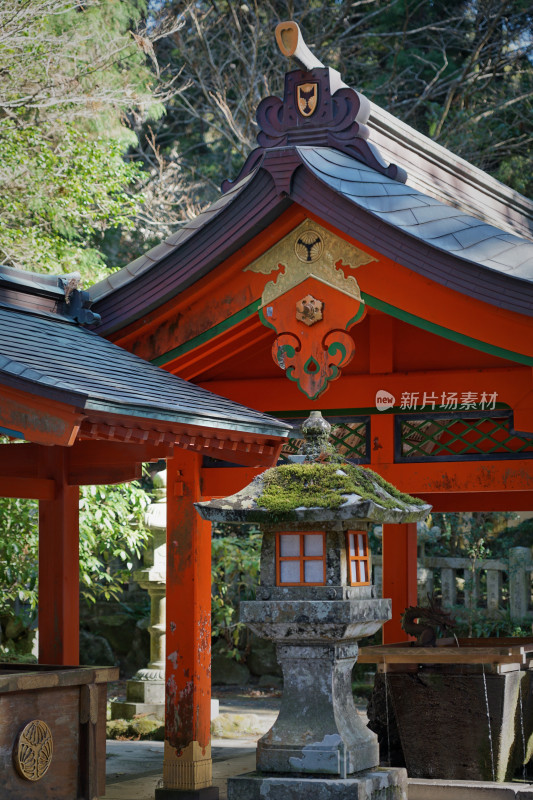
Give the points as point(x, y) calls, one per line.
point(317, 487)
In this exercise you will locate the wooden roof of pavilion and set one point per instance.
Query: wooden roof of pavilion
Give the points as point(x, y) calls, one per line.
point(45, 352)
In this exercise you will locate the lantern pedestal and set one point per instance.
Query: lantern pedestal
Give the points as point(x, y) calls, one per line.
point(318, 729)
point(373, 784)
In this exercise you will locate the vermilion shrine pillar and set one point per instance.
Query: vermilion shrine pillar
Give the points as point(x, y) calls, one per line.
point(399, 576)
point(187, 770)
point(59, 568)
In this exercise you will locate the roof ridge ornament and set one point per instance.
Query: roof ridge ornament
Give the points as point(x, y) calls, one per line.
point(318, 109)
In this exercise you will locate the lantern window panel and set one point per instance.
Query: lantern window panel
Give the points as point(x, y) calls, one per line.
point(301, 559)
point(358, 558)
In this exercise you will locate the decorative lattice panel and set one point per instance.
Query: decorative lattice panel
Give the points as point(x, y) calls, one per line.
point(350, 439)
point(456, 438)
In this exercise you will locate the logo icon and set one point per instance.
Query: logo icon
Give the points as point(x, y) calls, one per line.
point(384, 400)
point(308, 247)
point(307, 98)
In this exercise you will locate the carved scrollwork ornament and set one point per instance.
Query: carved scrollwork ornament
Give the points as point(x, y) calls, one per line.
point(33, 750)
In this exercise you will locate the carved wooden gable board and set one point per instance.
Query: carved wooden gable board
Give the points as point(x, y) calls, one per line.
point(311, 303)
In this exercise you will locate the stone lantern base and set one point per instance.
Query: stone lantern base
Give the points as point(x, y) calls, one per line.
point(373, 784)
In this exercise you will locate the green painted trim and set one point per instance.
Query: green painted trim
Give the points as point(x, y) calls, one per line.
point(446, 333)
point(373, 302)
point(266, 322)
point(207, 335)
point(357, 317)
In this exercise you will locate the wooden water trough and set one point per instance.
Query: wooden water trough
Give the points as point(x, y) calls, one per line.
point(53, 731)
point(463, 709)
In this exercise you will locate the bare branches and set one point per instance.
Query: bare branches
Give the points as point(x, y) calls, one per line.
point(56, 64)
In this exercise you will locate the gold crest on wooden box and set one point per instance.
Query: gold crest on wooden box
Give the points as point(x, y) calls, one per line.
point(307, 98)
point(33, 750)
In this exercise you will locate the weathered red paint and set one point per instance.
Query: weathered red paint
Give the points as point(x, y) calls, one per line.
point(59, 568)
point(38, 419)
point(324, 344)
point(392, 354)
point(399, 576)
point(188, 607)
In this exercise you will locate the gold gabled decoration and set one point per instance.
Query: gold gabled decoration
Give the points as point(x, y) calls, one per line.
point(311, 304)
point(310, 250)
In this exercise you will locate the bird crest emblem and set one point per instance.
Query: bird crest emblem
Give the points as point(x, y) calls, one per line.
point(307, 98)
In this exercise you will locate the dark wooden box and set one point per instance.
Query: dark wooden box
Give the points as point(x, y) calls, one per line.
point(71, 702)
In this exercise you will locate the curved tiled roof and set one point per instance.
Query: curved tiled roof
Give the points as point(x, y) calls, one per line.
point(168, 245)
point(433, 222)
point(52, 356)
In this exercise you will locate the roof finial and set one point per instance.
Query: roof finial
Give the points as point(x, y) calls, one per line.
point(316, 432)
point(318, 110)
point(291, 43)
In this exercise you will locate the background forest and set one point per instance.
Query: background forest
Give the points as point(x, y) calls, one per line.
point(119, 119)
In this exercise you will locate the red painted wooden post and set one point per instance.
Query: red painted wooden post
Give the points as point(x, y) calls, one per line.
point(399, 576)
point(187, 770)
point(59, 569)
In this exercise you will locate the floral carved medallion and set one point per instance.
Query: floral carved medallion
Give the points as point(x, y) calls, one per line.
point(33, 750)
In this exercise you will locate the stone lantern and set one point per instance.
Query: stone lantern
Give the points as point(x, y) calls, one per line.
point(315, 600)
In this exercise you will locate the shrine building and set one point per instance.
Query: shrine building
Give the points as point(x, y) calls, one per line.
point(356, 267)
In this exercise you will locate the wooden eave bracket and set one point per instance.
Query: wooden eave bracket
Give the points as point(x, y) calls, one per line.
point(105, 460)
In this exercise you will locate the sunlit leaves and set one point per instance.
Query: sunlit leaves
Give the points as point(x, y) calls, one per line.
point(112, 533)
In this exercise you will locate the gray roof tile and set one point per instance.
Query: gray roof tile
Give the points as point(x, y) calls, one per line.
point(492, 248)
point(427, 213)
point(387, 203)
point(365, 189)
point(61, 354)
point(436, 228)
point(442, 226)
point(478, 233)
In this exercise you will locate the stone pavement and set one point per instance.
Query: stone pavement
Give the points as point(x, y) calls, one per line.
point(134, 769)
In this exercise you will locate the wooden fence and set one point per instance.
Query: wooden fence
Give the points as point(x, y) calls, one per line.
point(497, 585)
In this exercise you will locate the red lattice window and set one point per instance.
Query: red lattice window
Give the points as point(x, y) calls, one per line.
point(358, 565)
point(301, 559)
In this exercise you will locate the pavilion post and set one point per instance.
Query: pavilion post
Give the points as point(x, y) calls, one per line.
point(59, 569)
point(399, 576)
point(187, 769)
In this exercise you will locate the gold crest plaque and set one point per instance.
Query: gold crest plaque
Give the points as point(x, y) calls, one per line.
point(307, 98)
point(33, 750)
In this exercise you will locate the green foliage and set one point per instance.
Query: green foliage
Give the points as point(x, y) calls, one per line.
point(462, 533)
point(324, 485)
point(74, 77)
point(234, 576)
point(18, 554)
point(476, 622)
point(58, 197)
point(111, 532)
